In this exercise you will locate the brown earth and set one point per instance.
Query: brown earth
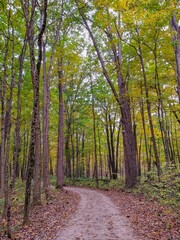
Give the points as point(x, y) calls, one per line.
point(150, 219)
point(45, 219)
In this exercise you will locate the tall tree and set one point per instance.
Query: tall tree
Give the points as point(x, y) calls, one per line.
point(176, 39)
point(95, 138)
point(34, 150)
point(60, 154)
point(121, 97)
point(47, 73)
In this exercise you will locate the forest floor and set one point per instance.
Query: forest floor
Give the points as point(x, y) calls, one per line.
point(150, 219)
point(45, 219)
point(86, 214)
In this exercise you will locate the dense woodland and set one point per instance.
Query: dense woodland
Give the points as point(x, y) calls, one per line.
point(88, 89)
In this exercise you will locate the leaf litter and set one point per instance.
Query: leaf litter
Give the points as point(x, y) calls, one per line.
point(150, 219)
point(45, 219)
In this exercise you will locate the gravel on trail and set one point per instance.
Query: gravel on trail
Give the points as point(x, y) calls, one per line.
point(97, 218)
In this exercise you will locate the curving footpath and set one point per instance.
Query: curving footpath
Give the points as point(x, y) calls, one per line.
point(97, 218)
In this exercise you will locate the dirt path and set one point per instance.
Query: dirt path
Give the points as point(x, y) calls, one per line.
point(97, 218)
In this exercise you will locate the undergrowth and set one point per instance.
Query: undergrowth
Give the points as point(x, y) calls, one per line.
point(165, 191)
point(89, 182)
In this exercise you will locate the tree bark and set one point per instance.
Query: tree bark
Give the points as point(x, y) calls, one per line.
point(35, 75)
point(46, 104)
point(3, 89)
point(60, 155)
point(7, 193)
point(100, 153)
point(176, 39)
point(95, 139)
point(18, 118)
point(77, 154)
point(67, 148)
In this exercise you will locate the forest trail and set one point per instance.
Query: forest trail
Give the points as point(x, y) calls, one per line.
point(97, 218)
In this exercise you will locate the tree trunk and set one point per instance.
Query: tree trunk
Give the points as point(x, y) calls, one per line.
point(73, 157)
point(77, 154)
point(117, 148)
point(46, 102)
point(67, 149)
point(176, 39)
point(124, 103)
point(37, 165)
point(25, 156)
point(157, 161)
point(7, 205)
point(113, 162)
point(18, 118)
point(144, 131)
point(100, 154)
point(95, 140)
point(35, 74)
point(60, 155)
point(109, 158)
point(88, 159)
point(82, 155)
point(3, 81)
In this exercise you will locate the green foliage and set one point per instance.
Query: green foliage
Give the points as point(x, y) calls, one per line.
point(167, 191)
point(1, 205)
point(18, 198)
point(91, 183)
point(53, 180)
